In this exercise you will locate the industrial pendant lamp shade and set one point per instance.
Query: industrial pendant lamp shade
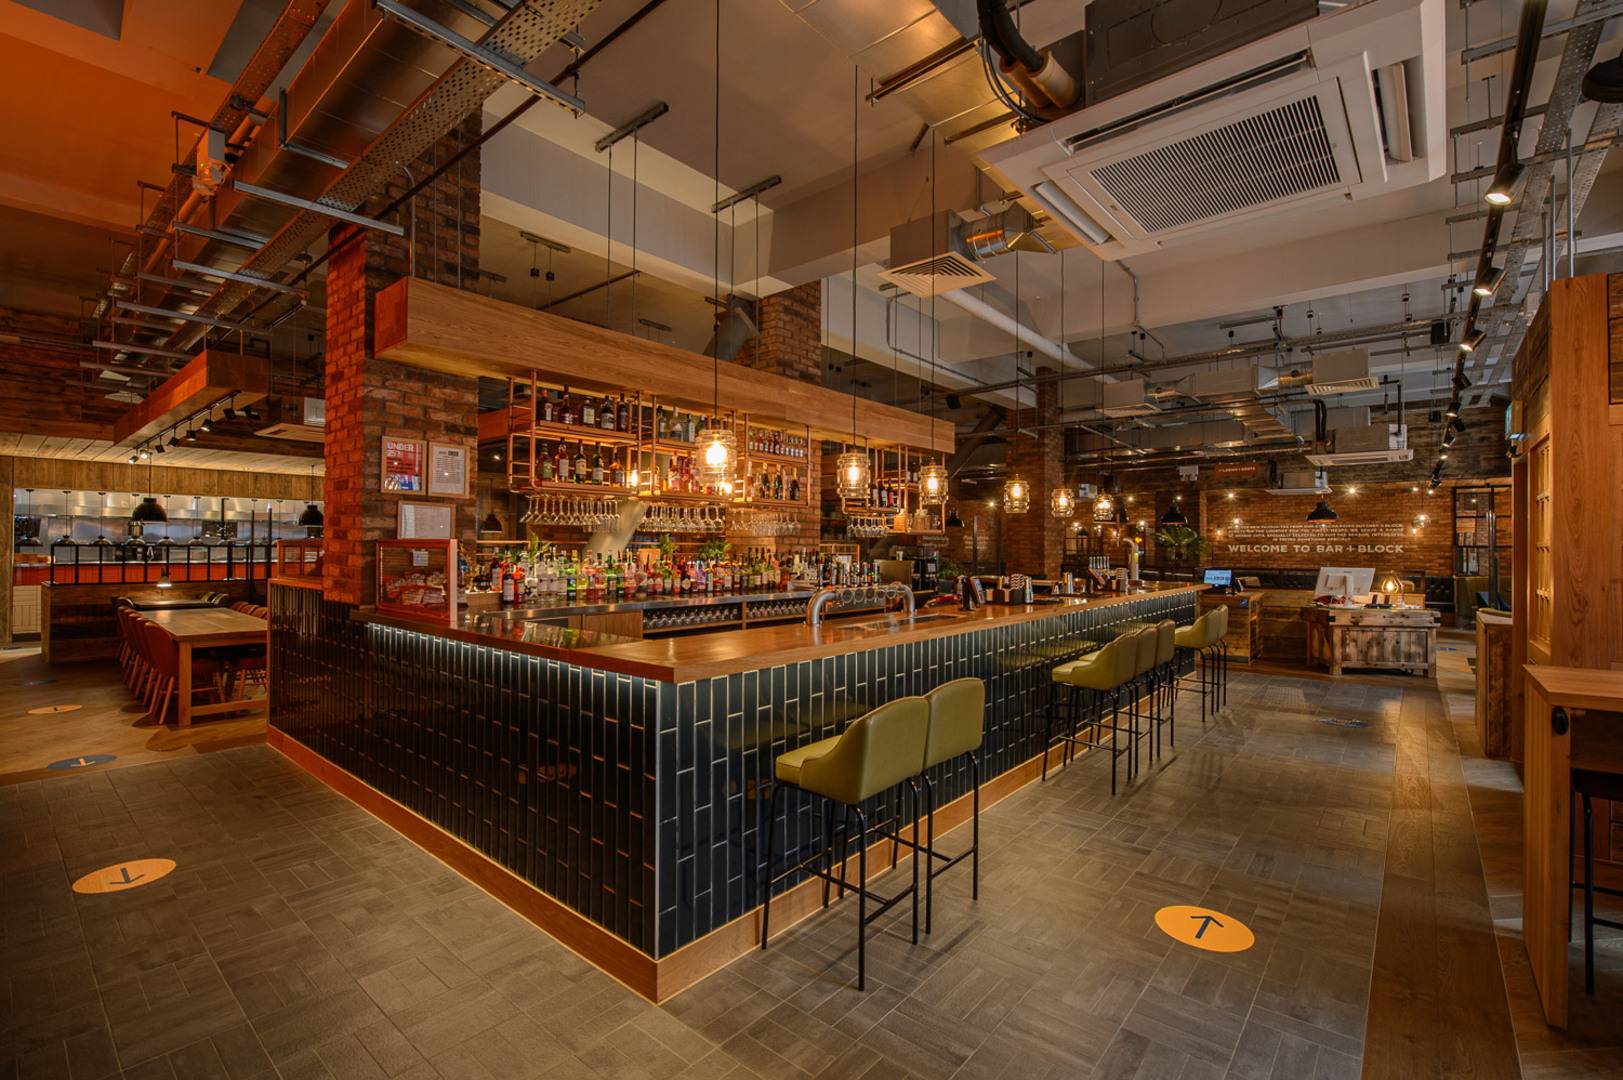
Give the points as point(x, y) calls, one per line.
point(1174, 516)
point(1061, 503)
point(149, 512)
point(1322, 514)
point(492, 525)
point(953, 520)
point(718, 453)
point(854, 475)
point(933, 484)
point(312, 518)
point(1016, 496)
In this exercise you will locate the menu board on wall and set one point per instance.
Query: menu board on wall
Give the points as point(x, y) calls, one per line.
point(402, 465)
point(447, 470)
point(425, 521)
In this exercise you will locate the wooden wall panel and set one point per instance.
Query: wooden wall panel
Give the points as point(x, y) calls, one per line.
point(66, 474)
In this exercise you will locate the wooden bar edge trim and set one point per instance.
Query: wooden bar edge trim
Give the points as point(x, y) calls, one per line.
point(597, 946)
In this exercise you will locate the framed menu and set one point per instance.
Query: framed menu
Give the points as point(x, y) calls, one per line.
point(448, 470)
point(426, 521)
point(402, 465)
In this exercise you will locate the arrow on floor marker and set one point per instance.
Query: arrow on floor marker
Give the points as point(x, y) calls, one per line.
point(1205, 921)
point(125, 879)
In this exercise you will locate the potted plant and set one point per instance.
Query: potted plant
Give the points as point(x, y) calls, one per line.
point(1182, 544)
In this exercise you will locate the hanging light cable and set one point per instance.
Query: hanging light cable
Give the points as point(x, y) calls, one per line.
point(933, 478)
point(853, 470)
point(1061, 502)
point(718, 446)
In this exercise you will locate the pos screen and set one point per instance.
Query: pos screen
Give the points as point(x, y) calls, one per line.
point(1220, 578)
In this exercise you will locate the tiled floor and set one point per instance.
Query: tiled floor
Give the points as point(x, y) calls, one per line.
point(299, 938)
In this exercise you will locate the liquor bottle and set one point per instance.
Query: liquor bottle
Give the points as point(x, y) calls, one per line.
point(597, 466)
point(581, 464)
point(794, 488)
point(566, 414)
point(507, 588)
point(588, 411)
point(546, 464)
point(662, 425)
point(562, 467)
point(605, 413)
point(623, 414)
point(617, 475)
point(547, 411)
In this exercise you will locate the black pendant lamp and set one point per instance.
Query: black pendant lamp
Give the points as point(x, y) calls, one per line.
point(312, 518)
point(149, 512)
point(1174, 516)
point(1322, 514)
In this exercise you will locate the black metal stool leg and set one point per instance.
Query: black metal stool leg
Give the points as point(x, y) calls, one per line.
point(974, 828)
point(828, 847)
point(862, 894)
point(766, 873)
point(913, 786)
point(1589, 896)
point(929, 848)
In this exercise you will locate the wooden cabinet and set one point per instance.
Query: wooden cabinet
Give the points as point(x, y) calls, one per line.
point(1493, 718)
point(24, 609)
point(1244, 635)
point(1403, 639)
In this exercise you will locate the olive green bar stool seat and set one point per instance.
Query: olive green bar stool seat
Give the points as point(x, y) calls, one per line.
point(1166, 680)
point(1105, 674)
point(879, 751)
point(1204, 637)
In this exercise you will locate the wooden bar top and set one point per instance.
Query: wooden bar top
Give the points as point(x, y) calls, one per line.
point(705, 655)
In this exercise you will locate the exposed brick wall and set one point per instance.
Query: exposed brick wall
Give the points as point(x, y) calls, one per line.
point(1034, 542)
point(791, 334)
point(369, 398)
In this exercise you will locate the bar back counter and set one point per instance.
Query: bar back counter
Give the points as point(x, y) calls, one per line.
point(613, 791)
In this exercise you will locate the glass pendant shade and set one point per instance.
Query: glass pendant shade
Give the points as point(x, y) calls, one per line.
point(1016, 496)
point(933, 484)
point(718, 453)
point(854, 475)
point(1104, 508)
point(1061, 503)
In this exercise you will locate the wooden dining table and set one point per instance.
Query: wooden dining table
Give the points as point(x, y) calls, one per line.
point(205, 628)
point(1571, 722)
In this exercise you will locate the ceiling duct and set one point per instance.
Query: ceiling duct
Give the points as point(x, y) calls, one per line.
point(1296, 119)
point(1126, 397)
point(1014, 229)
point(375, 94)
point(1343, 372)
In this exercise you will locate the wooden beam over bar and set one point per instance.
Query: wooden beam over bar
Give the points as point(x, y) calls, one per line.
point(445, 329)
point(207, 378)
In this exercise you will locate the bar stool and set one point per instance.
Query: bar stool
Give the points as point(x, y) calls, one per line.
point(1165, 681)
point(1143, 696)
point(1105, 671)
point(1202, 637)
point(957, 728)
point(878, 751)
point(1587, 785)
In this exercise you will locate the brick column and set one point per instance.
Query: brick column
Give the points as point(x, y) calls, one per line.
point(1034, 542)
point(369, 398)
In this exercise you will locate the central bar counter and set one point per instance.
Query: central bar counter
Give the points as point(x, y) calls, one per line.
point(613, 791)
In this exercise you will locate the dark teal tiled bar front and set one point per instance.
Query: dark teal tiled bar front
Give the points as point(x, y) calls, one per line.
point(632, 795)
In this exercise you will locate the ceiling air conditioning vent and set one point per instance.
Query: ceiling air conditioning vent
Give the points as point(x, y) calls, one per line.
point(1126, 397)
point(1371, 444)
point(929, 256)
point(1341, 373)
point(1347, 106)
point(1262, 159)
point(1301, 482)
point(309, 426)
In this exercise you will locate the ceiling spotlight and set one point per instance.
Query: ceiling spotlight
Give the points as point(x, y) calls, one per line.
point(1470, 341)
point(1442, 455)
point(1487, 283)
point(250, 412)
point(157, 447)
point(230, 413)
point(205, 426)
point(132, 459)
point(1453, 410)
point(1503, 188)
point(1461, 381)
point(144, 453)
point(191, 436)
point(1448, 439)
point(1456, 425)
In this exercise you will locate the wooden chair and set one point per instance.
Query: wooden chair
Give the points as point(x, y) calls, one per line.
point(164, 653)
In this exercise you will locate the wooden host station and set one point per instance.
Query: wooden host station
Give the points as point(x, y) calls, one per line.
point(1244, 635)
point(1392, 639)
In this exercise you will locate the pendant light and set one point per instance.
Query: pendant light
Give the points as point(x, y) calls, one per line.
point(1061, 503)
point(312, 517)
point(853, 474)
point(1104, 505)
point(933, 477)
point(1016, 492)
point(1322, 514)
point(149, 512)
point(718, 446)
point(1174, 516)
point(101, 524)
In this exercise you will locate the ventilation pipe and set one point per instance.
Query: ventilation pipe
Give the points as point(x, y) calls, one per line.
point(1043, 78)
point(1321, 423)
